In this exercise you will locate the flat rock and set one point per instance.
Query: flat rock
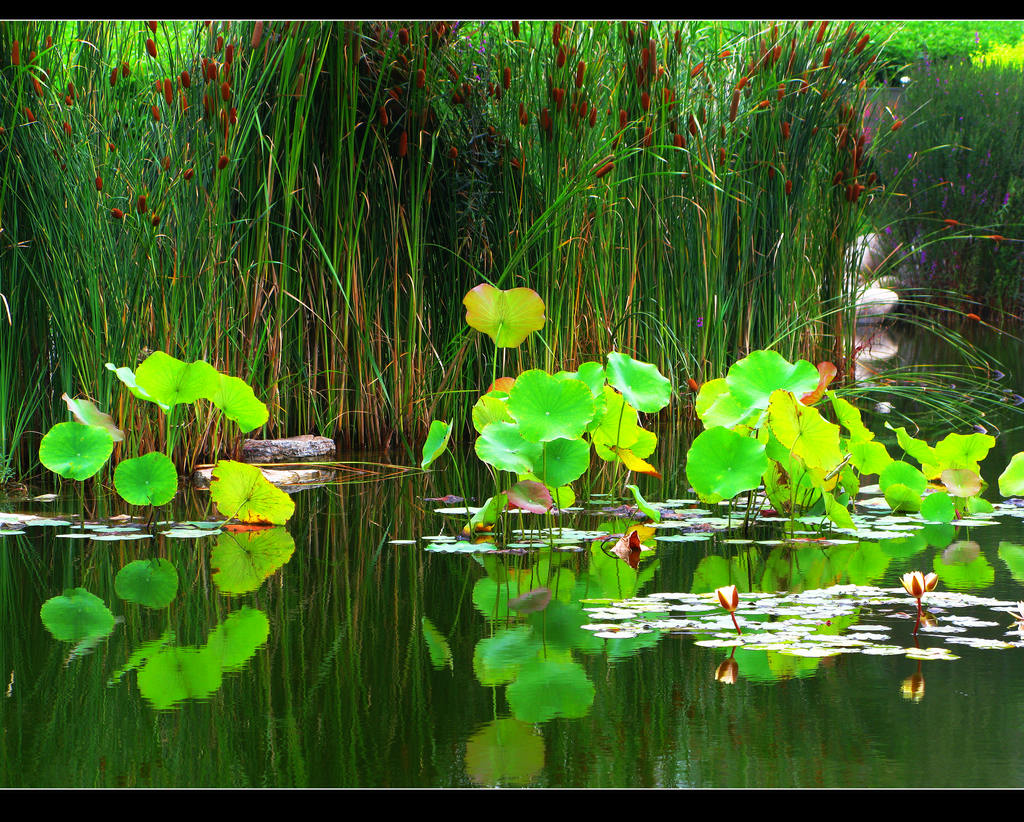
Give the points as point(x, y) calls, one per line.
point(288, 479)
point(305, 446)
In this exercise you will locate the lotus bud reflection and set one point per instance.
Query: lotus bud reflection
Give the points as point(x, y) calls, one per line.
point(728, 672)
point(913, 687)
point(729, 598)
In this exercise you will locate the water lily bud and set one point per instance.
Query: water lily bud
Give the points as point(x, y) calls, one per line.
point(729, 598)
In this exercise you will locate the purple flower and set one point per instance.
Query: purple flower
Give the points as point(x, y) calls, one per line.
point(700, 322)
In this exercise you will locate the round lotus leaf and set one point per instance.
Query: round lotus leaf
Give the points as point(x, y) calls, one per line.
point(715, 405)
point(547, 408)
point(75, 451)
point(964, 450)
point(903, 498)
point(76, 615)
point(961, 482)
point(641, 383)
point(546, 688)
point(170, 381)
point(905, 474)
point(237, 638)
point(1011, 481)
point(530, 495)
point(753, 379)
point(562, 461)
point(803, 430)
point(241, 491)
point(238, 401)
point(491, 407)
point(938, 507)
point(176, 674)
point(507, 317)
point(437, 441)
point(149, 582)
point(502, 445)
point(127, 376)
point(723, 463)
point(147, 480)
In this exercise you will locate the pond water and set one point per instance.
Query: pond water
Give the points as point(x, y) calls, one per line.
point(356, 647)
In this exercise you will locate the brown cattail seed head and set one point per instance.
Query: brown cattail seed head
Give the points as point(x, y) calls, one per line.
point(403, 144)
point(645, 101)
point(580, 69)
point(38, 85)
point(222, 163)
point(453, 153)
point(607, 167)
point(382, 116)
point(421, 78)
point(15, 54)
point(152, 26)
point(188, 174)
point(28, 113)
point(151, 47)
point(141, 204)
point(166, 162)
point(156, 113)
point(168, 92)
point(67, 128)
point(229, 55)
point(186, 80)
point(117, 214)
point(789, 187)
point(257, 34)
point(113, 78)
point(225, 91)
point(897, 125)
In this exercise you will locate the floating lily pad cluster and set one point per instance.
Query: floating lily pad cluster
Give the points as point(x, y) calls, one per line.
point(544, 427)
point(78, 450)
point(819, 622)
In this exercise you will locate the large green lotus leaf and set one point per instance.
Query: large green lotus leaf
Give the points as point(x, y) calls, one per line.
point(546, 688)
point(646, 442)
point(547, 408)
point(803, 430)
point(237, 639)
point(753, 379)
point(654, 514)
point(147, 480)
point(849, 417)
point(562, 461)
point(170, 381)
point(1011, 481)
point(87, 413)
point(497, 659)
point(436, 443)
point(963, 451)
point(76, 615)
point(592, 373)
point(723, 463)
point(75, 451)
point(437, 646)
point(507, 317)
point(837, 512)
point(903, 498)
point(641, 383)
point(789, 484)
point(717, 406)
point(241, 491)
point(938, 507)
point(241, 561)
point(905, 474)
point(505, 752)
point(918, 449)
point(501, 445)
point(177, 674)
point(149, 582)
point(869, 457)
point(491, 407)
point(235, 397)
point(127, 376)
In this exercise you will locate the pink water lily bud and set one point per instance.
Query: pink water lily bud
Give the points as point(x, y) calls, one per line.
point(729, 598)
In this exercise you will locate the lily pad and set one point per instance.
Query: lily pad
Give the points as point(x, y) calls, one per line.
point(547, 408)
point(641, 383)
point(88, 414)
point(171, 381)
point(76, 615)
point(235, 397)
point(721, 463)
point(153, 583)
point(242, 492)
point(241, 562)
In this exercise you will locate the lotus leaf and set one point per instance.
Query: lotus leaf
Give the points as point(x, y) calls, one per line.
point(241, 491)
point(238, 401)
point(147, 480)
point(654, 514)
point(905, 474)
point(507, 317)
point(641, 383)
point(497, 659)
point(938, 507)
point(918, 449)
point(753, 379)
point(547, 408)
point(961, 482)
point(437, 441)
point(170, 381)
point(562, 461)
point(869, 457)
point(717, 406)
point(149, 582)
point(530, 495)
point(490, 408)
point(849, 417)
point(963, 451)
point(76, 615)
point(88, 414)
point(127, 376)
point(804, 431)
point(1011, 481)
point(502, 445)
point(75, 451)
point(546, 688)
point(635, 463)
point(722, 463)
point(902, 497)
